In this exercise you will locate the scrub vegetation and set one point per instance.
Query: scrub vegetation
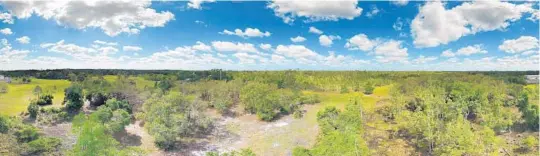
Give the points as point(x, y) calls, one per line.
point(245, 113)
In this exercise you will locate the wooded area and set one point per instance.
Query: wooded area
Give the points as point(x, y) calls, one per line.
point(420, 113)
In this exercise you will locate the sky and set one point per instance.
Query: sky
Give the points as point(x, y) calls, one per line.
point(270, 35)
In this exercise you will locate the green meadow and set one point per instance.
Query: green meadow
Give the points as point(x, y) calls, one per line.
point(19, 95)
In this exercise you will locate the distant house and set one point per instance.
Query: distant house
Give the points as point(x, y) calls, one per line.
point(5, 79)
point(532, 79)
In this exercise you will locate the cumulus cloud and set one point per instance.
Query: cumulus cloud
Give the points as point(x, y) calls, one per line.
point(315, 30)
point(105, 43)
point(435, 25)
point(131, 48)
point(298, 52)
point(465, 51)
point(113, 17)
point(315, 11)
point(202, 47)
point(298, 39)
point(6, 18)
point(249, 32)
point(391, 51)
point(327, 41)
point(8, 54)
point(246, 58)
point(361, 42)
point(519, 45)
point(265, 46)
point(23, 40)
point(385, 51)
point(400, 2)
point(92, 55)
point(224, 46)
point(196, 4)
point(422, 59)
point(6, 31)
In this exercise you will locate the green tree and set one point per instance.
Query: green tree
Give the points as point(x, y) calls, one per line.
point(74, 97)
point(368, 88)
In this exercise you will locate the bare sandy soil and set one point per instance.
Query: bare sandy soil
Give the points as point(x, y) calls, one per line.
point(243, 131)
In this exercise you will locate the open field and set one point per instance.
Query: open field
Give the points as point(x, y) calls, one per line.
point(19, 95)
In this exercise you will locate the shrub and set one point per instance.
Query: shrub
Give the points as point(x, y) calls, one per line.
point(344, 90)
point(27, 134)
point(298, 114)
point(33, 109)
point(529, 143)
point(4, 124)
point(310, 99)
point(73, 99)
point(46, 144)
point(368, 88)
point(45, 99)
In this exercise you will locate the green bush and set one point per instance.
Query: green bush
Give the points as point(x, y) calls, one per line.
point(4, 124)
point(310, 99)
point(368, 88)
point(33, 109)
point(45, 99)
point(74, 97)
point(27, 134)
point(529, 143)
point(45, 144)
point(344, 90)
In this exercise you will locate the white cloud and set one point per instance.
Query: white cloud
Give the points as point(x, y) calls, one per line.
point(196, 4)
point(265, 46)
point(398, 25)
point(391, 51)
point(400, 2)
point(521, 44)
point(8, 54)
point(113, 17)
point(298, 39)
point(105, 43)
point(327, 41)
point(6, 18)
point(23, 40)
point(6, 31)
point(435, 25)
point(224, 46)
point(249, 32)
point(448, 53)
point(422, 59)
point(278, 59)
point(202, 47)
point(465, 51)
point(131, 48)
point(91, 55)
point(469, 50)
point(298, 52)
point(246, 58)
point(374, 11)
point(315, 11)
point(361, 42)
point(315, 30)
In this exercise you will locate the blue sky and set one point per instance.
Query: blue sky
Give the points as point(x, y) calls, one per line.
point(353, 35)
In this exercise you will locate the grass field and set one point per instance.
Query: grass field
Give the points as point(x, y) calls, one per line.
point(18, 96)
